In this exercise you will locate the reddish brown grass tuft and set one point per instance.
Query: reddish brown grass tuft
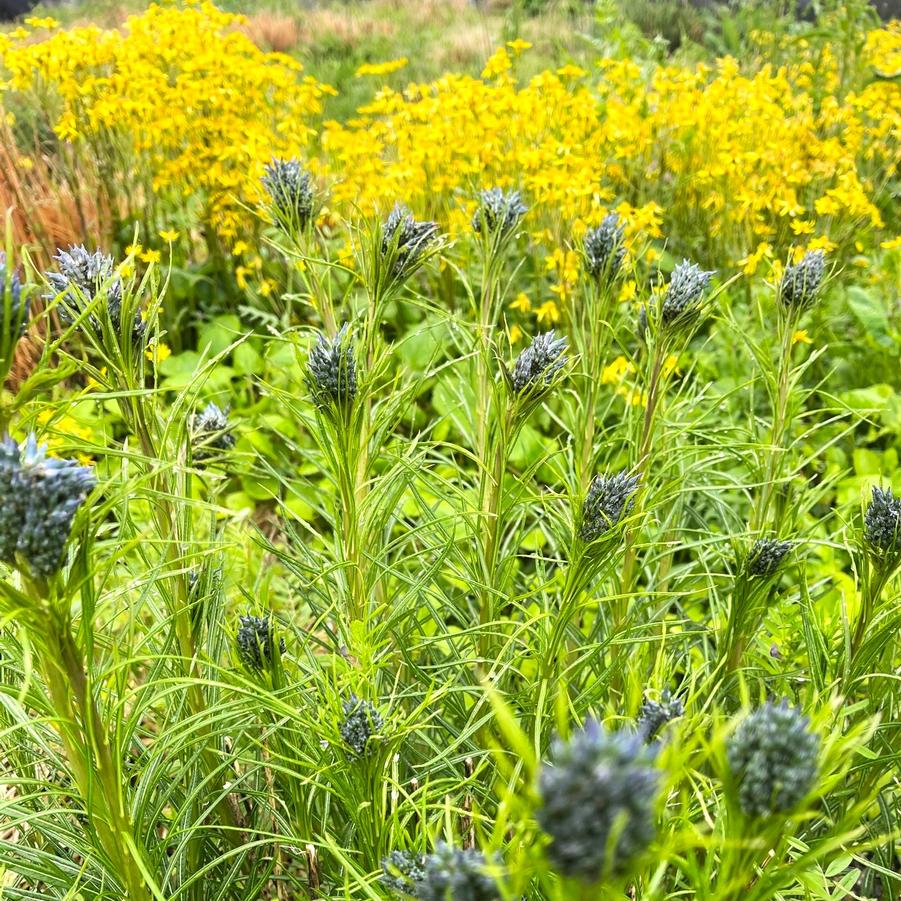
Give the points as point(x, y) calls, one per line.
point(272, 31)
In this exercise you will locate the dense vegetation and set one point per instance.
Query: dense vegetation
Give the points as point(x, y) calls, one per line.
point(489, 492)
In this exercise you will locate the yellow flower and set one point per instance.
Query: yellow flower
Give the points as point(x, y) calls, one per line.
point(751, 262)
point(239, 248)
point(515, 333)
point(521, 303)
point(169, 235)
point(156, 353)
point(801, 337)
point(133, 249)
point(37, 22)
point(616, 371)
point(548, 312)
point(151, 256)
point(822, 243)
point(628, 291)
point(891, 244)
point(670, 365)
point(803, 226)
point(571, 71)
point(518, 45)
point(66, 129)
point(498, 64)
point(386, 68)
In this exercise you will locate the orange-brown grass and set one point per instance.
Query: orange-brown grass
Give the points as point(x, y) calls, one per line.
point(273, 31)
point(342, 25)
point(45, 213)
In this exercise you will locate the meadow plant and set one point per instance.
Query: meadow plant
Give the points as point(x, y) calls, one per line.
point(604, 249)
point(15, 300)
point(362, 721)
point(773, 759)
point(498, 213)
point(332, 370)
point(458, 503)
point(291, 195)
point(256, 644)
point(598, 793)
point(654, 715)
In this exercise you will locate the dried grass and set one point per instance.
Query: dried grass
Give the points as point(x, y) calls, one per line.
point(270, 30)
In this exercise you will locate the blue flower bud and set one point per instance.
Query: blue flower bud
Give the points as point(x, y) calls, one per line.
point(39, 497)
point(882, 522)
point(290, 189)
point(773, 758)
point(767, 556)
point(499, 212)
point(18, 305)
point(604, 249)
point(683, 295)
point(448, 874)
point(609, 499)
point(361, 722)
point(254, 641)
point(598, 794)
point(539, 363)
point(332, 372)
point(211, 432)
point(654, 715)
point(801, 283)
point(407, 239)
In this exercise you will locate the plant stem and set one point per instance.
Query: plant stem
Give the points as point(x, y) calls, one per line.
point(87, 747)
point(777, 432)
point(643, 467)
point(491, 506)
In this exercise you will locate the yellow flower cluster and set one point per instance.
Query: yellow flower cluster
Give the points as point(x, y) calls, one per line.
point(179, 99)
point(733, 164)
point(746, 163)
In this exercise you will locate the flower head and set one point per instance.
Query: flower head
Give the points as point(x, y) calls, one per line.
point(82, 276)
point(773, 758)
point(609, 499)
point(767, 556)
point(255, 641)
point(332, 371)
point(407, 240)
point(604, 249)
point(801, 283)
point(882, 522)
point(447, 874)
point(18, 305)
point(539, 363)
point(39, 497)
point(654, 715)
point(402, 870)
point(361, 722)
point(290, 189)
point(683, 295)
point(211, 432)
point(598, 794)
point(499, 212)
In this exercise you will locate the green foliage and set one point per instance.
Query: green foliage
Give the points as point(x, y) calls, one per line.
point(344, 625)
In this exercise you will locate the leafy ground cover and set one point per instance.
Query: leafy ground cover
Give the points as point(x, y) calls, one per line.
point(450, 478)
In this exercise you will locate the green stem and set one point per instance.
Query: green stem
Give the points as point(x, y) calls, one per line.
point(777, 433)
point(492, 490)
point(87, 748)
point(644, 459)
